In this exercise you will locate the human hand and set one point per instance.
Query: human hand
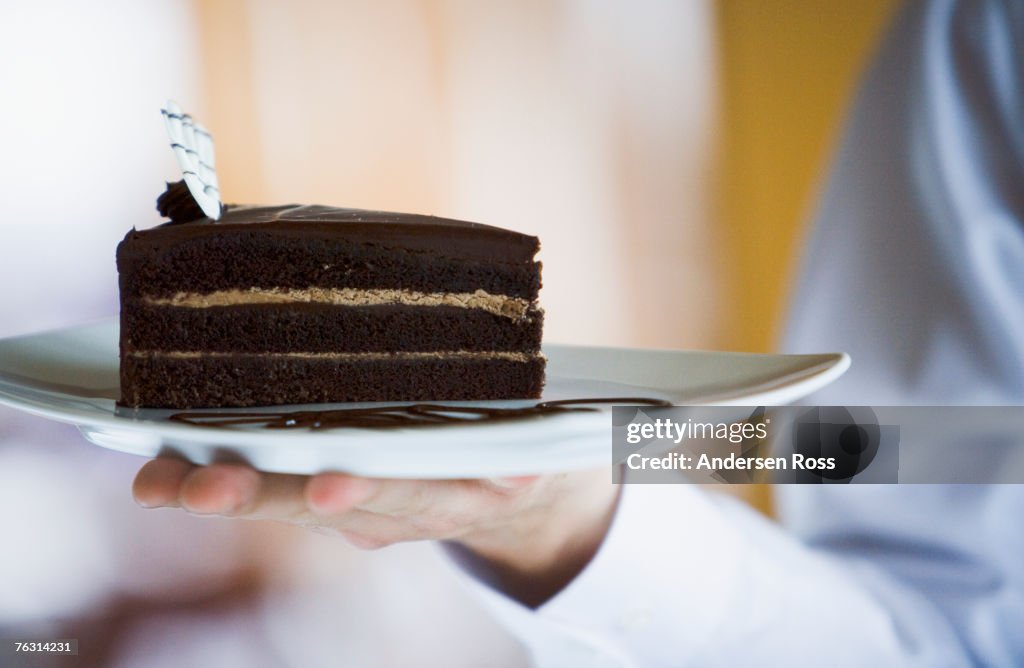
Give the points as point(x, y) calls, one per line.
point(534, 534)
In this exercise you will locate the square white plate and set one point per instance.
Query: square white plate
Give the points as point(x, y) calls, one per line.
point(71, 375)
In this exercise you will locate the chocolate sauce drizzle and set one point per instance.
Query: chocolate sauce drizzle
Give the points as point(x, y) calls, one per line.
point(414, 415)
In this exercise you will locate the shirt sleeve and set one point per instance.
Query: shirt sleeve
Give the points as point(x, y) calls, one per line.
point(690, 577)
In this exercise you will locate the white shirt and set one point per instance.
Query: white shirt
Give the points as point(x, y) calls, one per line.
point(916, 267)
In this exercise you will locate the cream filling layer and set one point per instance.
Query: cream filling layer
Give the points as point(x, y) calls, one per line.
point(356, 357)
point(509, 307)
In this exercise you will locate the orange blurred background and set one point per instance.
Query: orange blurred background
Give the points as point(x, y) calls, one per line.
point(666, 153)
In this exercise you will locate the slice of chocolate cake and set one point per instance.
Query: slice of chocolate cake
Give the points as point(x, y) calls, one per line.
point(311, 304)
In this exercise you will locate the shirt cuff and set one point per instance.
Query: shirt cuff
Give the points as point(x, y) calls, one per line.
point(659, 586)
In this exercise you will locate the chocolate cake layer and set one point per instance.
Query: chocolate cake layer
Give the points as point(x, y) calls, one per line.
point(207, 264)
point(326, 328)
point(255, 380)
point(297, 247)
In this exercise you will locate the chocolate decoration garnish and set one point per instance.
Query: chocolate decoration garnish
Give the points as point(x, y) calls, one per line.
point(414, 415)
point(193, 147)
point(177, 203)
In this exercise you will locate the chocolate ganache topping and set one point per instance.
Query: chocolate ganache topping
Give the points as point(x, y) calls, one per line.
point(414, 233)
point(177, 203)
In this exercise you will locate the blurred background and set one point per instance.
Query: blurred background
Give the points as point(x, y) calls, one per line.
point(667, 153)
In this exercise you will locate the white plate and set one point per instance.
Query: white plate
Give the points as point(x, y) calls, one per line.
point(71, 375)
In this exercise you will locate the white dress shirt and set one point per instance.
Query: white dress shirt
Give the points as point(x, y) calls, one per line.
point(915, 266)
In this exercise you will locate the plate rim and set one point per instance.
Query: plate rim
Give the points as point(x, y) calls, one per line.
point(829, 367)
